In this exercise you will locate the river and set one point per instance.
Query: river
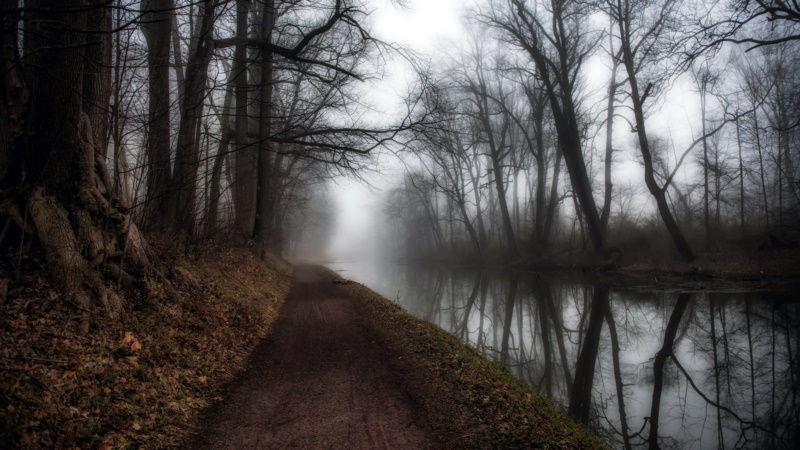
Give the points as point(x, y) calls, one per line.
point(730, 359)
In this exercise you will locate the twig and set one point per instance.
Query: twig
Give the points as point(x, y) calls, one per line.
point(35, 379)
point(59, 361)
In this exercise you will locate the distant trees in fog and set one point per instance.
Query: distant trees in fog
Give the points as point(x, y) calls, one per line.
point(512, 109)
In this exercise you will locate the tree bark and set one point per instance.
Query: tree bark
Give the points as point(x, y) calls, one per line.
point(85, 230)
point(187, 156)
point(265, 178)
point(244, 183)
point(156, 26)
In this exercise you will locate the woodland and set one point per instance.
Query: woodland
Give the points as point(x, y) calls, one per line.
point(219, 119)
point(523, 159)
point(159, 157)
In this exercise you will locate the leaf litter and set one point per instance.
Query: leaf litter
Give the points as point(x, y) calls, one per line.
point(139, 380)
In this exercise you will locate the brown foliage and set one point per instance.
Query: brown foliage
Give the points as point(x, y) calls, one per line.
point(136, 380)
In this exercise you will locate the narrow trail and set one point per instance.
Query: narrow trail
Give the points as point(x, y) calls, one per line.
point(322, 379)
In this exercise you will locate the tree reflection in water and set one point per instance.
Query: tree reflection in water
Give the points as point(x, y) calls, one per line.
point(657, 370)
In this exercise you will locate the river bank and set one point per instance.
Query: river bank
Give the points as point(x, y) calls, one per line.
point(143, 378)
point(479, 402)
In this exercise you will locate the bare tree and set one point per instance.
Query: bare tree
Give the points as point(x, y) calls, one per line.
point(555, 39)
point(642, 28)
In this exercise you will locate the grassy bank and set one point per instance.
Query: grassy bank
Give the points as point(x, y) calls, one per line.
point(137, 380)
point(479, 403)
point(140, 379)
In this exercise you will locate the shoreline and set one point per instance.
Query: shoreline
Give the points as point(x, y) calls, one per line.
point(486, 405)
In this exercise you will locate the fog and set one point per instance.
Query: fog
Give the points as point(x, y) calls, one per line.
point(438, 32)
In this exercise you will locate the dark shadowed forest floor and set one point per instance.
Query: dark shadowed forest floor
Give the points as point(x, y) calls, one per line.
point(214, 358)
point(137, 380)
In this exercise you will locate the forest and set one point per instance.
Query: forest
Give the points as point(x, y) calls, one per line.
point(552, 130)
point(219, 119)
point(163, 163)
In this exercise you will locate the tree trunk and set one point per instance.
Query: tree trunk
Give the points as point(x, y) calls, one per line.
point(553, 201)
point(761, 169)
point(476, 190)
point(244, 183)
point(644, 146)
point(609, 157)
point(183, 194)
point(156, 25)
point(495, 148)
point(741, 181)
point(264, 178)
point(83, 227)
point(706, 218)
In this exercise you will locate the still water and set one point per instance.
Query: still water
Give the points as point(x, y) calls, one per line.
point(722, 367)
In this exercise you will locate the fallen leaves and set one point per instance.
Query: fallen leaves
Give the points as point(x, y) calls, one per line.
point(130, 343)
point(135, 381)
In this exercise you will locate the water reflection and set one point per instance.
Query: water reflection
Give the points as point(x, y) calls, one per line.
point(702, 370)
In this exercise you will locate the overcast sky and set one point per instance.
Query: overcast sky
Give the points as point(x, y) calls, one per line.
point(434, 27)
point(424, 26)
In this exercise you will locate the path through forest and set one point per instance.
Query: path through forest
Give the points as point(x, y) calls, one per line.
point(322, 379)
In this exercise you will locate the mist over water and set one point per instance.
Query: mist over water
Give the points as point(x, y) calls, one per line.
point(731, 384)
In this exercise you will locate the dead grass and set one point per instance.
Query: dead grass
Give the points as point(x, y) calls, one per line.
point(481, 405)
point(137, 381)
point(746, 265)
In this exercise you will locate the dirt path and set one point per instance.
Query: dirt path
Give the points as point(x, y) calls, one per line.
point(322, 379)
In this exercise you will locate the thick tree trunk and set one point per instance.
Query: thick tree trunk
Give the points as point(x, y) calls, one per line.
point(156, 26)
point(97, 79)
point(576, 166)
point(83, 228)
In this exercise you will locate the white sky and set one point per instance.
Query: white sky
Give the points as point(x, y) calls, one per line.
point(424, 26)
point(433, 26)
